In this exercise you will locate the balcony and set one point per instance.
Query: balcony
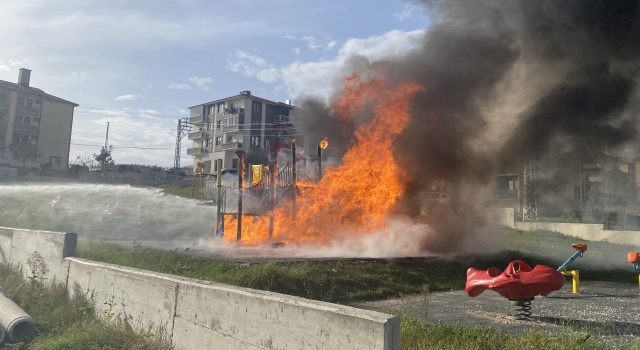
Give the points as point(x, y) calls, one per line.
point(284, 119)
point(231, 129)
point(198, 135)
point(196, 119)
point(196, 151)
point(26, 128)
point(27, 109)
point(231, 146)
point(505, 194)
point(595, 178)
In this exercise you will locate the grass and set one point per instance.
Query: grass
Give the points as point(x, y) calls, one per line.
point(184, 192)
point(347, 280)
point(70, 324)
point(417, 335)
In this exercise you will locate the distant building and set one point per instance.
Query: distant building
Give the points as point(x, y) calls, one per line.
point(565, 184)
point(29, 116)
point(241, 122)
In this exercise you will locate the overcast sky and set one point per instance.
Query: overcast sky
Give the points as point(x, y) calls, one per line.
point(141, 64)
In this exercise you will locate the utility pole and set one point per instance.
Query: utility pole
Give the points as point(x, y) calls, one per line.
point(183, 129)
point(106, 139)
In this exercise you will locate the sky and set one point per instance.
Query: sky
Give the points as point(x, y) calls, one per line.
point(141, 64)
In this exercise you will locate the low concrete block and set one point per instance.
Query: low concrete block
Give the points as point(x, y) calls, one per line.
point(6, 237)
point(242, 317)
point(53, 246)
point(141, 297)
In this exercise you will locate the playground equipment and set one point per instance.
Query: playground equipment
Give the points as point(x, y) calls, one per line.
point(574, 274)
point(634, 258)
point(520, 284)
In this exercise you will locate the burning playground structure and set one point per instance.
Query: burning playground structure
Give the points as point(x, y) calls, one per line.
point(353, 198)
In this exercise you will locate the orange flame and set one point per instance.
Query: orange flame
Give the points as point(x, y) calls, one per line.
point(324, 143)
point(357, 196)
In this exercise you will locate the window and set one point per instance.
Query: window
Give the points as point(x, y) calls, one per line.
point(220, 107)
point(21, 101)
point(3, 97)
point(212, 110)
point(219, 124)
point(24, 139)
point(234, 163)
point(218, 140)
point(209, 142)
point(1, 136)
point(229, 139)
point(27, 120)
point(255, 142)
point(257, 106)
point(1, 115)
point(55, 160)
point(18, 119)
point(576, 192)
point(30, 102)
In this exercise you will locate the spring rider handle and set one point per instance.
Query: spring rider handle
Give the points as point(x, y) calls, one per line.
point(634, 258)
point(574, 274)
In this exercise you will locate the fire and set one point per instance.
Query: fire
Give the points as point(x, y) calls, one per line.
point(357, 196)
point(324, 143)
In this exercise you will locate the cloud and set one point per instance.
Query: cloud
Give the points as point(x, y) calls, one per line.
point(77, 74)
point(295, 50)
point(406, 12)
point(317, 77)
point(18, 63)
point(315, 45)
point(179, 87)
point(251, 65)
point(5, 68)
point(129, 97)
point(268, 75)
point(290, 37)
point(201, 82)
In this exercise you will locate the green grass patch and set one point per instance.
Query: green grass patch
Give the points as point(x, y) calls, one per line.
point(70, 324)
point(417, 335)
point(334, 281)
point(184, 192)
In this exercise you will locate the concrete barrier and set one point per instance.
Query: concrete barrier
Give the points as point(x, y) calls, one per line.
point(54, 247)
point(203, 315)
point(590, 232)
point(230, 317)
point(140, 297)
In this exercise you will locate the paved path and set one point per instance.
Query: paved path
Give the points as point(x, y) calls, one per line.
point(605, 308)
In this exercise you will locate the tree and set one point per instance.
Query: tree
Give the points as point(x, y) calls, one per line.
point(257, 156)
point(24, 152)
point(104, 157)
point(85, 160)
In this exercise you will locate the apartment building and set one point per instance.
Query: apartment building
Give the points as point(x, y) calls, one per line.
point(30, 116)
point(241, 122)
point(588, 184)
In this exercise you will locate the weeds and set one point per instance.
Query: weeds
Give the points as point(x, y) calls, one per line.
point(64, 323)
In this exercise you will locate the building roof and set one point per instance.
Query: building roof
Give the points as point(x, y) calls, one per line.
point(34, 91)
point(244, 96)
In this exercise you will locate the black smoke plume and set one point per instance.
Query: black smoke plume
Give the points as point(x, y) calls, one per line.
point(497, 73)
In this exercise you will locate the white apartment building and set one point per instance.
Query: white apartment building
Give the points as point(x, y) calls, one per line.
point(244, 122)
point(29, 115)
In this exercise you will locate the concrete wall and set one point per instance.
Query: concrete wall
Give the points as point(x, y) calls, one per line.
point(204, 315)
point(504, 216)
point(590, 232)
point(16, 245)
point(55, 132)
